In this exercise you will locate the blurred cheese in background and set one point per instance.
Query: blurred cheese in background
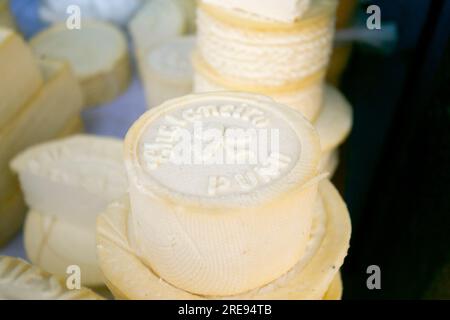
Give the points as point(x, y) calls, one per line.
point(21, 281)
point(6, 18)
point(97, 53)
point(154, 29)
point(115, 11)
point(20, 75)
point(168, 70)
point(51, 112)
point(66, 183)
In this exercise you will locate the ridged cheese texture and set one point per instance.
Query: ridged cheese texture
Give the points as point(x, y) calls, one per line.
point(335, 121)
point(6, 18)
point(281, 10)
point(116, 11)
point(54, 244)
point(40, 119)
point(21, 281)
point(311, 277)
point(168, 70)
point(20, 75)
point(215, 179)
point(97, 53)
point(307, 100)
point(270, 54)
point(73, 178)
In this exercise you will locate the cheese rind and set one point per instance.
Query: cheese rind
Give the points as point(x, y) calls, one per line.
point(22, 281)
point(21, 77)
point(307, 100)
point(104, 72)
point(168, 70)
point(54, 244)
point(218, 221)
point(129, 278)
point(284, 10)
point(74, 178)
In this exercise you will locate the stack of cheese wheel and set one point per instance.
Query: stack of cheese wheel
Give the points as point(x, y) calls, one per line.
point(225, 201)
point(243, 51)
point(66, 183)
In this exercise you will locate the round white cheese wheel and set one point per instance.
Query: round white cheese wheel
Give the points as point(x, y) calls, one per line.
point(22, 281)
point(55, 245)
point(73, 178)
point(218, 183)
point(311, 277)
point(97, 53)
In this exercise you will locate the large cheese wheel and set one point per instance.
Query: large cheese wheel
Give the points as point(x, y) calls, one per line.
point(313, 276)
point(218, 182)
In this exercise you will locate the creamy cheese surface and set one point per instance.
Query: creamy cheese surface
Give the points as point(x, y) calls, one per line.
point(222, 146)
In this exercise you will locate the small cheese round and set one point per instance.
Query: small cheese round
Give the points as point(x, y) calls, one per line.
point(168, 70)
point(22, 281)
point(218, 182)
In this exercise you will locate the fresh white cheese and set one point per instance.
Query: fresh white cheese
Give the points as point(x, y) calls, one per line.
point(219, 182)
point(168, 70)
point(72, 179)
point(20, 75)
point(98, 54)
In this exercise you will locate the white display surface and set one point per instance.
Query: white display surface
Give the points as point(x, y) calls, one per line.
point(113, 120)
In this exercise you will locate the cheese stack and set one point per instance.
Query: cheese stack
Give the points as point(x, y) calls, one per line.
point(243, 51)
point(38, 102)
point(225, 201)
point(66, 183)
point(162, 53)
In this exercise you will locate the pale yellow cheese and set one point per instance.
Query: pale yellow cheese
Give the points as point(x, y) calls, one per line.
point(335, 290)
point(6, 18)
point(20, 75)
point(54, 244)
point(58, 102)
point(12, 207)
point(129, 278)
point(21, 281)
point(97, 53)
